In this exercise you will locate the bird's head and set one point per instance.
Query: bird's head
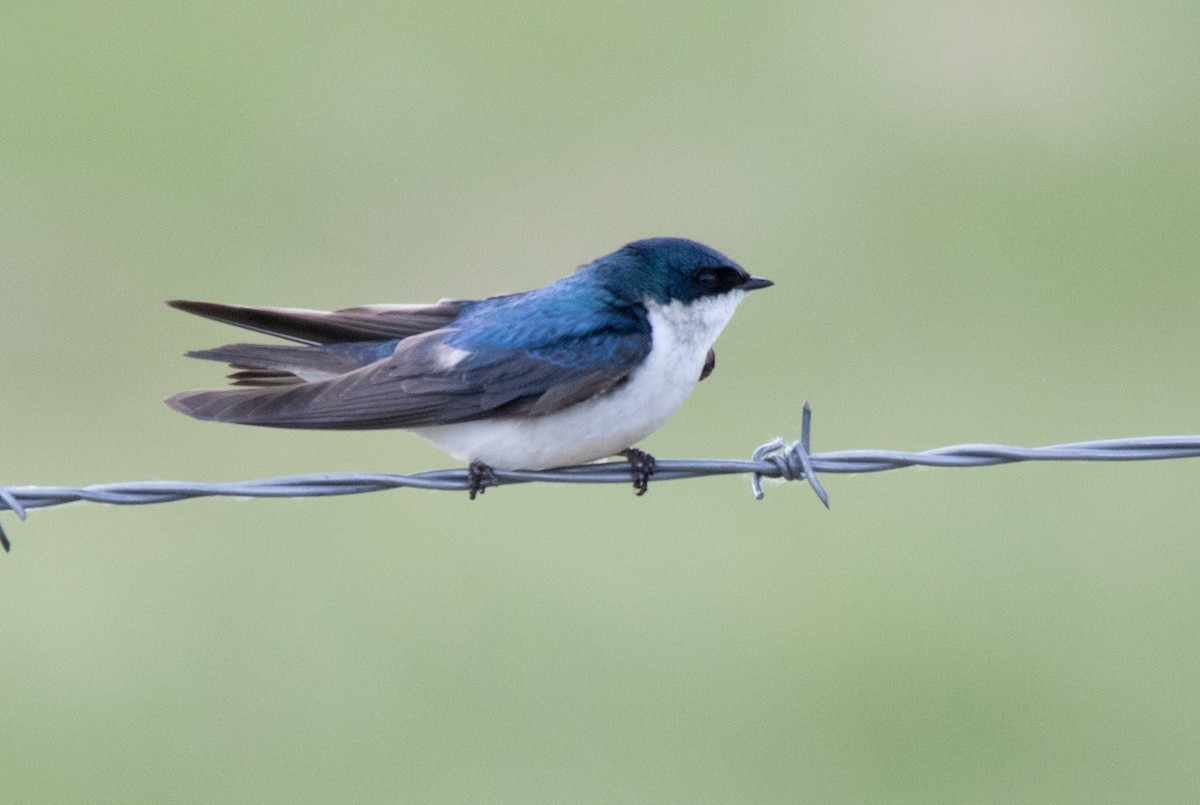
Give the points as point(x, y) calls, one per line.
point(666, 270)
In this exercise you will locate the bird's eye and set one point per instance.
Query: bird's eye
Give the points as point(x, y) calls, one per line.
point(717, 280)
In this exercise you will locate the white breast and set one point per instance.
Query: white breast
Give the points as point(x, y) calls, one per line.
point(681, 336)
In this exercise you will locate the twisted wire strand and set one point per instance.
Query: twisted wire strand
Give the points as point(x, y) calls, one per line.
point(775, 459)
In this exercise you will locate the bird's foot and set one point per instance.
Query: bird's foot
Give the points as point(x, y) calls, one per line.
point(641, 464)
point(479, 477)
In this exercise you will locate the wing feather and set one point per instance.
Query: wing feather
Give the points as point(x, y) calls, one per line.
point(313, 327)
point(417, 386)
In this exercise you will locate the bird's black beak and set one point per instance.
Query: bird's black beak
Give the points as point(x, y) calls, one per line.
point(754, 283)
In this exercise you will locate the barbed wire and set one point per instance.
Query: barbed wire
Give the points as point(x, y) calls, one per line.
point(775, 459)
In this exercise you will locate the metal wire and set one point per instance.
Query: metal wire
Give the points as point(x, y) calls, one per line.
point(775, 459)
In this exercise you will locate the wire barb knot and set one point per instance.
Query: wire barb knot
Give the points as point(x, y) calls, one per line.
point(793, 464)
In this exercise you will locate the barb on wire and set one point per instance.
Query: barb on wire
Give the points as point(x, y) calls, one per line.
point(775, 459)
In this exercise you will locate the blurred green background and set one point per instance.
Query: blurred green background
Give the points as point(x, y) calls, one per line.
point(982, 219)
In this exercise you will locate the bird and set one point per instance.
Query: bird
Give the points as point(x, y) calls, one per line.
point(573, 372)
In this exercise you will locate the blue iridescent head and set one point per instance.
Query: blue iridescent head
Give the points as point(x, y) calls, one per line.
point(671, 269)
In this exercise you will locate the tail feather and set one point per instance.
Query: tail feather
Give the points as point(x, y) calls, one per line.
point(263, 377)
point(273, 364)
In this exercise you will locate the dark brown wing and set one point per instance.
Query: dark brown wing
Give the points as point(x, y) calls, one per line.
point(428, 381)
point(366, 323)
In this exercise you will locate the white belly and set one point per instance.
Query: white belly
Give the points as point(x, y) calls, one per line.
point(609, 423)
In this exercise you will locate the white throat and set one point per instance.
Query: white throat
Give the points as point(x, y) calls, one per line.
point(694, 326)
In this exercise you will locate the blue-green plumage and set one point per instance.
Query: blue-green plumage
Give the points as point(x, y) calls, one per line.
point(522, 358)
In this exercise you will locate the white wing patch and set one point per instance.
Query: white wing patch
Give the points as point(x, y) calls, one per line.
point(449, 357)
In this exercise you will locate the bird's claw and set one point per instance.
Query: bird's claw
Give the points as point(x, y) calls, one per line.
point(641, 464)
point(479, 477)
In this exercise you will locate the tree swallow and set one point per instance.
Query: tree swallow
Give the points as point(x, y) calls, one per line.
point(579, 370)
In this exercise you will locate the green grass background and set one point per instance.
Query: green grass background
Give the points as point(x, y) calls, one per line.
point(983, 220)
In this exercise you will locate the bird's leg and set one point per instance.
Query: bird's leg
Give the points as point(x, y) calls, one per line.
point(479, 477)
point(641, 464)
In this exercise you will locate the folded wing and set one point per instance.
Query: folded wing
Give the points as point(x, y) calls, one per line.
point(422, 379)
